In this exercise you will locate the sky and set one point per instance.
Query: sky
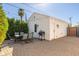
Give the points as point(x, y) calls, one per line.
point(59, 10)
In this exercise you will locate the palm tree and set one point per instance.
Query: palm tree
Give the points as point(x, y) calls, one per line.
point(21, 14)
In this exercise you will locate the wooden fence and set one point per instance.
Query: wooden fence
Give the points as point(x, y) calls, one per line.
point(72, 31)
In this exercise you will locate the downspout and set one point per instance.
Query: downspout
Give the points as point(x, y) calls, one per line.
point(54, 28)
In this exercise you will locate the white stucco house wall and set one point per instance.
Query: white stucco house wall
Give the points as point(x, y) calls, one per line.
point(54, 28)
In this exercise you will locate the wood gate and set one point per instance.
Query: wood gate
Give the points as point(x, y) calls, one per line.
point(77, 31)
point(72, 31)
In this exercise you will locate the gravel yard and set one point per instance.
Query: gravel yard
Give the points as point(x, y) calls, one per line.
point(67, 46)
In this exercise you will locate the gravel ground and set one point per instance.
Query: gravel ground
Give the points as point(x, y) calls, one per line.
point(67, 46)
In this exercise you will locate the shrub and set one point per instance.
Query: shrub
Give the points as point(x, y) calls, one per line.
point(3, 25)
point(11, 22)
point(15, 26)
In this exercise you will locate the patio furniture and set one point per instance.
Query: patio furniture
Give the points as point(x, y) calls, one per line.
point(27, 37)
point(18, 37)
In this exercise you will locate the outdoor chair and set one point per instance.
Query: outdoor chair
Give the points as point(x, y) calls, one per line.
point(25, 37)
point(29, 37)
point(18, 37)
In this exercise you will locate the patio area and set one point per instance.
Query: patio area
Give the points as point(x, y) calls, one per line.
point(67, 46)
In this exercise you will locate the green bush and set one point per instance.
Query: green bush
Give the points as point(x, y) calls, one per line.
point(3, 25)
point(11, 22)
point(15, 26)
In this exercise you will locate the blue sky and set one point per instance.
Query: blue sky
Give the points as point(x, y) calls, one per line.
point(59, 10)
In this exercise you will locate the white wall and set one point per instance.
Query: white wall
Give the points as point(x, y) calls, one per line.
point(52, 29)
point(43, 24)
point(57, 32)
point(49, 25)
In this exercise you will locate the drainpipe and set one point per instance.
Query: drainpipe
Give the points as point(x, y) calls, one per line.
point(54, 29)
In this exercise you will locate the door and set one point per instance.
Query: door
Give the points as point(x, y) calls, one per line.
point(36, 31)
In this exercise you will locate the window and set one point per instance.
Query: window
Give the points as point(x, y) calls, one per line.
point(35, 27)
point(34, 17)
point(57, 25)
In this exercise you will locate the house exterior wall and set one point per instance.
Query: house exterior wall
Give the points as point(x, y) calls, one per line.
point(58, 28)
point(42, 22)
point(52, 31)
point(53, 27)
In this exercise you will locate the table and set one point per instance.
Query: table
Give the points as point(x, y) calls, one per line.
point(18, 37)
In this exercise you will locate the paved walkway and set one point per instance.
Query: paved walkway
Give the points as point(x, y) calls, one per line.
point(67, 46)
